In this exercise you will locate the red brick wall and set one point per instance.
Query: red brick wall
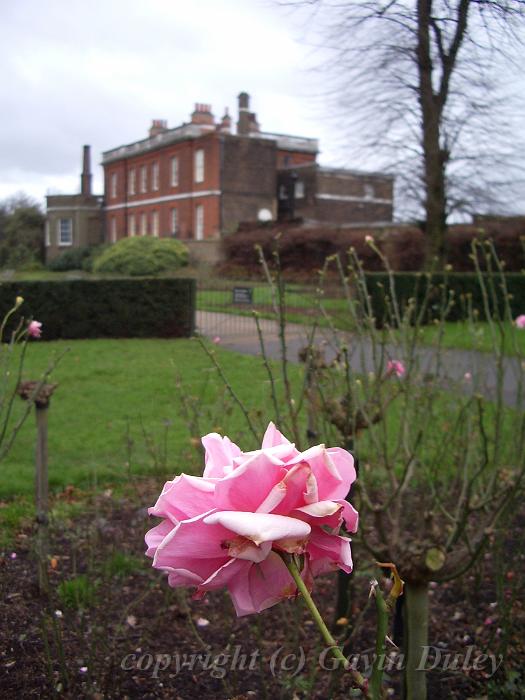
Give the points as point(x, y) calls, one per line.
point(185, 152)
point(291, 158)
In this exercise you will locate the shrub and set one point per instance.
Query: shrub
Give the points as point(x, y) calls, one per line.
point(142, 256)
point(94, 253)
point(304, 249)
point(72, 259)
point(114, 308)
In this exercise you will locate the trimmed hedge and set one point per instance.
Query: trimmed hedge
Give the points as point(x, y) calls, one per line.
point(113, 308)
point(466, 287)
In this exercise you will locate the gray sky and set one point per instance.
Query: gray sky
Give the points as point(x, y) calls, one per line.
point(97, 72)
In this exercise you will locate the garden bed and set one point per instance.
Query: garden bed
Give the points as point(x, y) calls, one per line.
point(112, 628)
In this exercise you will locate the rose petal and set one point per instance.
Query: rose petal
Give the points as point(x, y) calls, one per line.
point(265, 585)
point(155, 536)
point(220, 452)
point(184, 497)
point(246, 487)
point(260, 527)
point(289, 493)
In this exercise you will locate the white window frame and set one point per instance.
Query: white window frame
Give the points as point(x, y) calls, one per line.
point(144, 178)
point(299, 189)
point(143, 224)
point(155, 175)
point(283, 192)
point(113, 184)
point(155, 223)
point(199, 165)
point(132, 181)
point(174, 221)
point(61, 240)
point(369, 191)
point(132, 229)
point(199, 222)
point(174, 171)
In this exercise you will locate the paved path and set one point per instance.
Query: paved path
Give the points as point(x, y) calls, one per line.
point(239, 333)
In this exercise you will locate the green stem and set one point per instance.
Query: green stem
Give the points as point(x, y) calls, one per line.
point(359, 680)
point(416, 630)
point(376, 678)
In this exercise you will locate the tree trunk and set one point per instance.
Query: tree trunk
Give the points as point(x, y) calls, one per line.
point(434, 158)
point(415, 640)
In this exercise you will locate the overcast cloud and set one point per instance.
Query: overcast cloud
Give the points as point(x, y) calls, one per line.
point(97, 72)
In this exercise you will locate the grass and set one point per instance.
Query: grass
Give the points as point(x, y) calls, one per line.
point(117, 416)
point(468, 336)
point(304, 306)
point(117, 411)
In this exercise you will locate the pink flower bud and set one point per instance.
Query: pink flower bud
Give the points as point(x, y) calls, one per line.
point(34, 329)
point(395, 367)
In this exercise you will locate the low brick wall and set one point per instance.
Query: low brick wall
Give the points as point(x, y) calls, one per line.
point(208, 252)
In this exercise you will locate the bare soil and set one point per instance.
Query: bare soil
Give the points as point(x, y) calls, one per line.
point(128, 635)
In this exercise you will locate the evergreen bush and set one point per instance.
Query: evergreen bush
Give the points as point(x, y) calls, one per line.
point(142, 256)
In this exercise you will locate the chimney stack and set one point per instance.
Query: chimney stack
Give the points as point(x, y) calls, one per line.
point(243, 124)
point(85, 178)
point(226, 123)
point(202, 115)
point(158, 126)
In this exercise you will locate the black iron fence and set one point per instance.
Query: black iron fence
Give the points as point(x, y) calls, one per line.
point(228, 306)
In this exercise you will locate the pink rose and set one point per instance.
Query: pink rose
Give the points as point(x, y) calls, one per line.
point(229, 527)
point(34, 329)
point(520, 321)
point(395, 367)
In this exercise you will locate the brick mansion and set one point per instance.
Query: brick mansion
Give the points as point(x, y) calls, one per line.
point(199, 180)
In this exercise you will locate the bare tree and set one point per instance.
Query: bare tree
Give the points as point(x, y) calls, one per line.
point(420, 84)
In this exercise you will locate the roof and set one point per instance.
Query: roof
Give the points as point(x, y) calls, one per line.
point(193, 131)
point(152, 143)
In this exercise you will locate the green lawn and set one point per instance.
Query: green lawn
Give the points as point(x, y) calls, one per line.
point(118, 404)
point(467, 336)
point(112, 390)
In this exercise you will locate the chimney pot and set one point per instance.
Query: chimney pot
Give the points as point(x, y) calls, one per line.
point(158, 126)
point(202, 115)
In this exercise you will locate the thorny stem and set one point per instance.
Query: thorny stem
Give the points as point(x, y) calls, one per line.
point(230, 389)
point(268, 368)
point(359, 680)
point(376, 678)
point(29, 404)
